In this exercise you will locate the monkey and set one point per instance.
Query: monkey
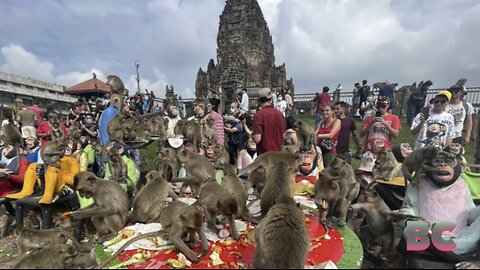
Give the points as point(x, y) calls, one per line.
point(257, 178)
point(199, 171)
point(270, 159)
point(220, 157)
point(151, 198)
point(167, 163)
point(178, 220)
point(349, 188)
point(155, 127)
point(415, 162)
point(282, 237)
point(191, 131)
point(5, 224)
point(290, 148)
point(53, 257)
point(306, 135)
point(210, 134)
point(458, 151)
point(217, 199)
point(279, 182)
point(118, 168)
point(74, 132)
point(327, 193)
point(379, 220)
point(116, 85)
point(116, 128)
point(386, 166)
point(37, 239)
point(109, 211)
point(235, 186)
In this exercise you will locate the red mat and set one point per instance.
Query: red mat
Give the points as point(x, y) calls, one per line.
point(321, 250)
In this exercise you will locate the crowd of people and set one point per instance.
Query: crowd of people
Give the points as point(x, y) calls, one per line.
point(247, 131)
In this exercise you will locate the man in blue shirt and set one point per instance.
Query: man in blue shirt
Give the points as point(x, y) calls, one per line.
point(107, 115)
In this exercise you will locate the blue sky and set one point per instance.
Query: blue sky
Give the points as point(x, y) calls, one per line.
point(322, 42)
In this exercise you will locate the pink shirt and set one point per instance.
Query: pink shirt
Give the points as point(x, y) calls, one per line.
point(218, 125)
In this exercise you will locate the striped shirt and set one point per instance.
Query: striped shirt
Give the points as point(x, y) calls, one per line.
point(218, 125)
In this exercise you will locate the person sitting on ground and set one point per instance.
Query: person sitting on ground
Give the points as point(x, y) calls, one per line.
point(11, 177)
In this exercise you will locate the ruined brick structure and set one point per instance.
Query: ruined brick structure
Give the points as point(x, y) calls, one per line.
point(245, 54)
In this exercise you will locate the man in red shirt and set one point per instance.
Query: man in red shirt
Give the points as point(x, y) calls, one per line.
point(321, 100)
point(45, 130)
point(38, 113)
point(268, 124)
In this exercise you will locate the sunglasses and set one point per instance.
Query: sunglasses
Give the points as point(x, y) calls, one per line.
point(440, 101)
point(381, 106)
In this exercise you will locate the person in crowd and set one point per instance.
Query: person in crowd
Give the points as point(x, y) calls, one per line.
point(89, 127)
point(106, 117)
point(290, 137)
point(247, 121)
point(281, 105)
point(53, 125)
point(321, 100)
point(363, 93)
point(27, 119)
point(247, 155)
point(32, 150)
point(268, 124)
point(75, 116)
point(11, 176)
point(38, 113)
point(244, 103)
point(219, 125)
point(289, 100)
point(462, 114)
point(355, 100)
point(214, 100)
point(16, 107)
point(388, 91)
point(327, 134)
point(383, 126)
point(417, 100)
point(438, 127)
point(347, 127)
point(234, 132)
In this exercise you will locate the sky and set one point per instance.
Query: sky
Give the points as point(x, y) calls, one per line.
point(322, 42)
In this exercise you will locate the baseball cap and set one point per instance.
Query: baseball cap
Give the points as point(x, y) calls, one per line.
point(265, 92)
point(446, 93)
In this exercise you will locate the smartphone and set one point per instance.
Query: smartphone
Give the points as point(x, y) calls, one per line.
point(378, 114)
point(426, 112)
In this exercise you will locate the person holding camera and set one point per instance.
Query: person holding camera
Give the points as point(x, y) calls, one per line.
point(381, 126)
point(89, 128)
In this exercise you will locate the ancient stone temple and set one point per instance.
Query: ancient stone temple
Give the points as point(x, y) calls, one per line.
point(245, 54)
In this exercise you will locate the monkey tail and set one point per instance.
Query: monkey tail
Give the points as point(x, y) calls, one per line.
point(129, 242)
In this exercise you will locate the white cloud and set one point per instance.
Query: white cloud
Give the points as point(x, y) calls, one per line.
point(20, 61)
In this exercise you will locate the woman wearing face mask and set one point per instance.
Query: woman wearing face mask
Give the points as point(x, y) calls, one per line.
point(89, 128)
point(444, 196)
point(281, 105)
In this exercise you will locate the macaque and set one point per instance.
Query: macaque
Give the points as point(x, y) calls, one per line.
point(415, 162)
point(178, 220)
point(191, 131)
point(271, 159)
point(327, 194)
point(306, 135)
point(199, 171)
point(220, 157)
point(118, 168)
point(38, 239)
point(349, 188)
point(116, 85)
point(167, 163)
point(282, 237)
point(53, 257)
point(109, 211)
point(210, 134)
point(386, 166)
point(258, 178)
point(5, 224)
point(12, 136)
point(215, 200)
point(280, 182)
point(150, 200)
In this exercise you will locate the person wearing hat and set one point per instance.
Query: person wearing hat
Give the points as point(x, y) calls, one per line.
point(462, 114)
point(437, 127)
point(27, 118)
point(268, 124)
point(321, 100)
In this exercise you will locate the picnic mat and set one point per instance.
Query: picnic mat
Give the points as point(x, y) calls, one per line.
point(325, 245)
